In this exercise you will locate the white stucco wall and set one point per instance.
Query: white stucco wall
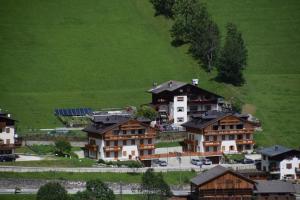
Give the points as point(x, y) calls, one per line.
point(200, 139)
point(283, 167)
point(177, 114)
point(11, 135)
point(226, 144)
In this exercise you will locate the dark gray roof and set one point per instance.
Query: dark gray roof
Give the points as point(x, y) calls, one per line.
point(208, 175)
point(274, 150)
point(274, 186)
point(205, 119)
point(7, 118)
point(110, 119)
point(167, 86)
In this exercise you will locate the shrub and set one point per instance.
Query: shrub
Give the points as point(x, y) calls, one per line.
point(52, 191)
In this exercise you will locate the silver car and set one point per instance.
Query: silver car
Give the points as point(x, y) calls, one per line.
point(196, 161)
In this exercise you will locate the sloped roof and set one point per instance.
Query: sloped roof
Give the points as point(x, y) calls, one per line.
point(274, 150)
point(167, 86)
point(214, 173)
point(274, 186)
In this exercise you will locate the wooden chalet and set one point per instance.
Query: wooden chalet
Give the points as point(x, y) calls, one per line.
point(217, 131)
point(116, 137)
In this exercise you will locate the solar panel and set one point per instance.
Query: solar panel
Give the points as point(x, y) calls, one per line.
point(72, 111)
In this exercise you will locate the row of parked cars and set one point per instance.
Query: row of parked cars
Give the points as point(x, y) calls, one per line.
point(8, 158)
point(200, 162)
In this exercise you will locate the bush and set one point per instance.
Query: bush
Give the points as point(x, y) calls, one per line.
point(63, 147)
point(52, 191)
point(128, 163)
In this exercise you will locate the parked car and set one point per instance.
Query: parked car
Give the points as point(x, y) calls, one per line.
point(248, 161)
point(163, 163)
point(206, 161)
point(196, 161)
point(7, 158)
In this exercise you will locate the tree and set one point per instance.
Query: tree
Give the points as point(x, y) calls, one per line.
point(163, 7)
point(52, 191)
point(147, 112)
point(154, 186)
point(95, 190)
point(205, 40)
point(233, 58)
point(184, 15)
point(63, 147)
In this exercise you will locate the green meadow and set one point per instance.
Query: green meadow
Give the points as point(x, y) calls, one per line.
point(72, 53)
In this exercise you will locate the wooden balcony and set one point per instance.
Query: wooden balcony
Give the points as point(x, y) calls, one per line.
point(113, 148)
point(129, 136)
point(91, 147)
point(229, 132)
point(211, 143)
point(147, 146)
point(188, 141)
point(245, 142)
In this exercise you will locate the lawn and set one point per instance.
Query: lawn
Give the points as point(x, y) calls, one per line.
point(53, 162)
point(107, 53)
point(172, 178)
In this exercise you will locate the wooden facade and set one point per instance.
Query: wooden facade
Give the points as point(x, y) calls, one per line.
point(127, 140)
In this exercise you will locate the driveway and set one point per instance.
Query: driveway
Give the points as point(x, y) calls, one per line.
point(29, 158)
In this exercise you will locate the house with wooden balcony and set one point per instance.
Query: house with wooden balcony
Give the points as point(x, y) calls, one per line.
point(8, 138)
point(217, 131)
point(223, 183)
point(281, 162)
point(117, 137)
point(177, 101)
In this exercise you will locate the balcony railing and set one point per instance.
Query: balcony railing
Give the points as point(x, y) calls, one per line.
point(229, 132)
point(92, 147)
point(147, 146)
point(211, 143)
point(245, 142)
point(128, 136)
point(112, 148)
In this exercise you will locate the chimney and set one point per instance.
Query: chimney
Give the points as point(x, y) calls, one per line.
point(276, 148)
point(195, 81)
point(170, 84)
point(154, 84)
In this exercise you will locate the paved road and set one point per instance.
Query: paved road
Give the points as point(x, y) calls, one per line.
point(174, 167)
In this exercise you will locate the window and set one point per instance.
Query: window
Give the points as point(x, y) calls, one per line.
point(289, 165)
point(124, 132)
point(141, 131)
point(141, 141)
point(223, 137)
point(179, 119)
point(92, 141)
point(206, 138)
point(247, 136)
point(132, 131)
point(239, 126)
point(215, 149)
point(207, 149)
point(193, 108)
point(248, 147)
point(231, 137)
point(7, 141)
point(149, 152)
point(107, 154)
point(107, 143)
point(215, 127)
point(231, 148)
point(132, 142)
point(240, 137)
point(180, 98)
point(215, 138)
point(231, 127)
point(223, 126)
point(180, 109)
point(208, 107)
point(116, 143)
point(124, 153)
point(124, 142)
point(150, 141)
point(116, 132)
point(7, 130)
point(223, 148)
point(133, 153)
point(264, 157)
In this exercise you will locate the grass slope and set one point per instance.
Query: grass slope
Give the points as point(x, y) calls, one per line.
point(107, 53)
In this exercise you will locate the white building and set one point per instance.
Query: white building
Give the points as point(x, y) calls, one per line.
point(281, 162)
point(7, 134)
point(176, 101)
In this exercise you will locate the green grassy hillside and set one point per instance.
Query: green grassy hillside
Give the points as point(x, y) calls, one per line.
point(107, 53)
